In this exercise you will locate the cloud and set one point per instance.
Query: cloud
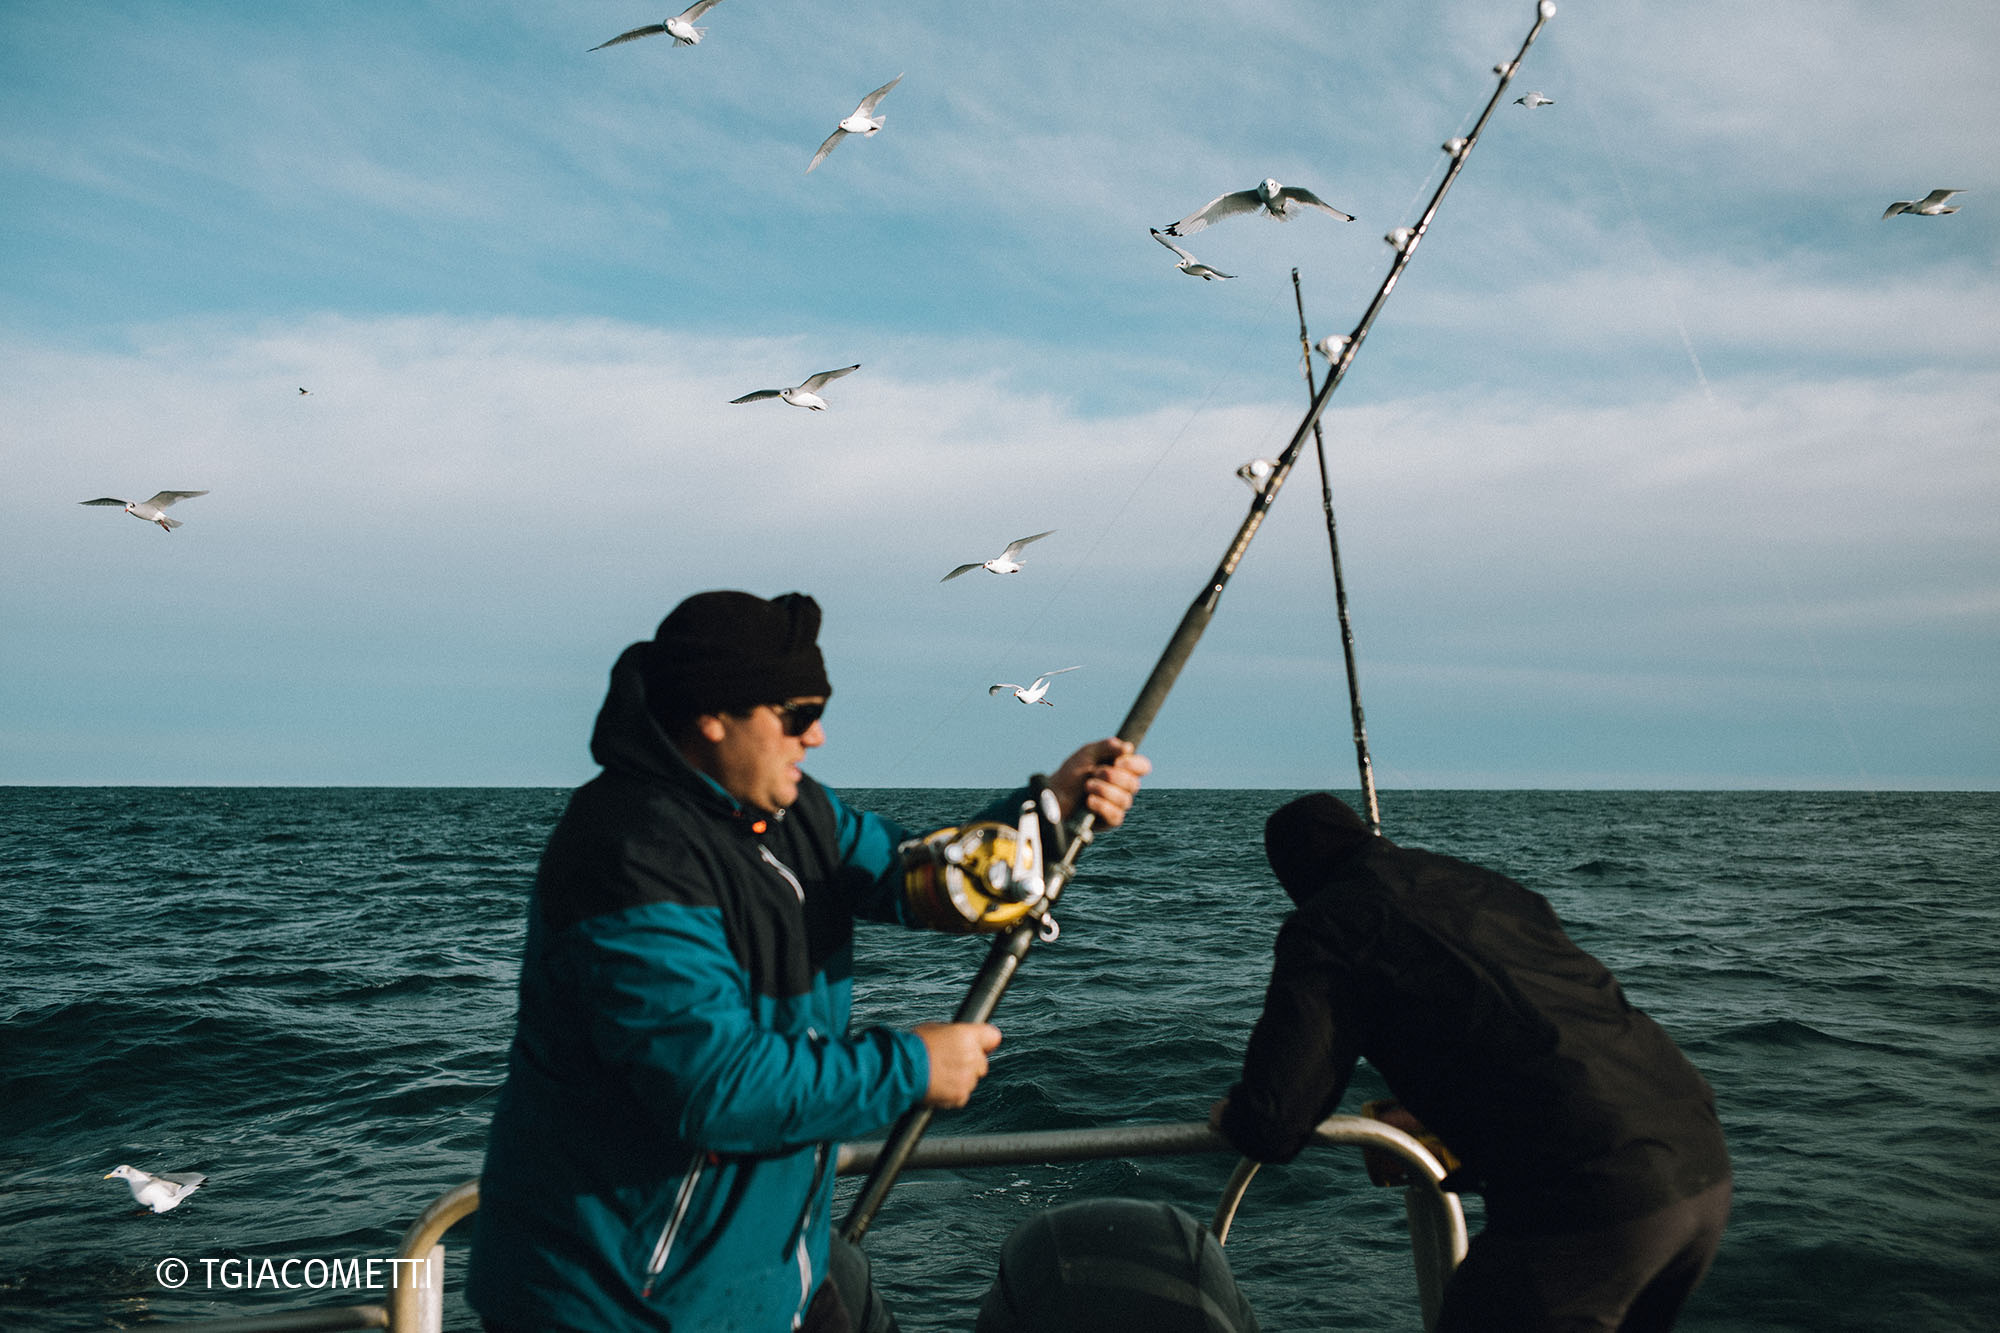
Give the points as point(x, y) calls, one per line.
point(466, 489)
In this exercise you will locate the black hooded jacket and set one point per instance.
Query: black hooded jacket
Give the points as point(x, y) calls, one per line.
point(1568, 1107)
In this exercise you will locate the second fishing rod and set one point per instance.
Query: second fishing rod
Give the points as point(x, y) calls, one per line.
point(1066, 843)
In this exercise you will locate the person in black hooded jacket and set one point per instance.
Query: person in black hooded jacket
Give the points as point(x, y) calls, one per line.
point(1594, 1142)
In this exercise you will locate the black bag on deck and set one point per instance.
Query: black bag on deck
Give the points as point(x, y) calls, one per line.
point(1113, 1265)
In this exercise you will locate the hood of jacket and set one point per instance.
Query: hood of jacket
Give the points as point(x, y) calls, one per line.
point(1309, 840)
point(628, 741)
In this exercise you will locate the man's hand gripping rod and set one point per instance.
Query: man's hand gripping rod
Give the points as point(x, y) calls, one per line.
point(1004, 957)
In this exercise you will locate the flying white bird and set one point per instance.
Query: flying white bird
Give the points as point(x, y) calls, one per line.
point(802, 395)
point(1257, 473)
point(1031, 694)
point(680, 27)
point(863, 122)
point(1007, 562)
point(153, 510)
point(1930, 206)
point(1188, 264)
point(1533, 100)
point(1275, 199)
point(162, 1193)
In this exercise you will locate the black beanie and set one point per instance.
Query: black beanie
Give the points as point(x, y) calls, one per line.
point(1304, 837)
point(726, 652)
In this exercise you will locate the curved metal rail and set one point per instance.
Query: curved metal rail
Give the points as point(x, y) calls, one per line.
point(1437, 1222)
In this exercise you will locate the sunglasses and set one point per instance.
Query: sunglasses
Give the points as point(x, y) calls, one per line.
point(798, 719)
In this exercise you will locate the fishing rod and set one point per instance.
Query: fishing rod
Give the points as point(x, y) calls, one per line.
point(1339, 584)
point(1009, 947)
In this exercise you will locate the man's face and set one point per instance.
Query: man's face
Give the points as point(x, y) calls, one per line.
point(753, 759)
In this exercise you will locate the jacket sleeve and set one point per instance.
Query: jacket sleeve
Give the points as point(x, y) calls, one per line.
point(667, 1003)
point(1301, 1054)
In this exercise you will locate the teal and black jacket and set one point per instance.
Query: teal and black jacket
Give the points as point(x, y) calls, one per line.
point(662, 1153)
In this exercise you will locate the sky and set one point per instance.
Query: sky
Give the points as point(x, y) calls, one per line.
point(1669, 461)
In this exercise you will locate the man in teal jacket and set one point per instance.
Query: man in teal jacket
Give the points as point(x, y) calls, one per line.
point(682, 1070)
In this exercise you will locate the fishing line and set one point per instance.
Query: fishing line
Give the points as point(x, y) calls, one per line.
point(1070, 838)
point(1435, 169)
point(1777, 573)
point(949, 719)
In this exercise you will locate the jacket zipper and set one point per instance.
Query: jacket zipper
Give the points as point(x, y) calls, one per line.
point(664, 1246)
point(805, 1286)
point(782, 869)
point(819, 1150)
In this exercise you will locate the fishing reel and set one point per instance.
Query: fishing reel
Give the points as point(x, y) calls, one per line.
point(984, 877)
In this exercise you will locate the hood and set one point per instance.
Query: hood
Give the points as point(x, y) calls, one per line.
point(1306, 840)
point(628, 741)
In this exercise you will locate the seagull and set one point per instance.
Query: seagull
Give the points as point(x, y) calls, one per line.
point(1007, 562)
point(1273, 198)
point(863, 122)
point(680, 27)
point(1533, 100)
point(1257, 473)
point(303, 391)
point(1333, 345)
point(802, 395)
point(153, 510)
point(1032, 694)
point(1188, 264)
point(162, 1193)
point(1930, 206)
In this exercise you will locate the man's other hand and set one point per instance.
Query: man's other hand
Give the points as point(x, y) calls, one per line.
point(958, 1059)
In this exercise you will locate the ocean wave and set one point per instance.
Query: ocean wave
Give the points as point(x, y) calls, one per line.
point(1790, 1033)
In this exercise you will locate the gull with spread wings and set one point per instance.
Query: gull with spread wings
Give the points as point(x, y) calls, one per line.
point(802, 395)
point(863, 122)
point(1930, 206)
point(1032, 694)
point(1187, 263)
point(680, 27)
point(1007, 562)
point(1274, 199)
point(153, 510)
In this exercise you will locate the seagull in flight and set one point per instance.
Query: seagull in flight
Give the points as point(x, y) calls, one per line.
point(863, 122)
point(1276, 200)
point(1533, 100)
point(1930, 206)
point(1188, 264)
point(802, 395)
point(162, 1193)
point(153, 510)
point(680, 27)
point(1007, 562)
point(1031, 694)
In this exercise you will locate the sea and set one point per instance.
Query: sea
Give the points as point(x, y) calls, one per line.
point(307, 994)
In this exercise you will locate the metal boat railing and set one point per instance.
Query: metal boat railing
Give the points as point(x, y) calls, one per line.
point(1436, 1220)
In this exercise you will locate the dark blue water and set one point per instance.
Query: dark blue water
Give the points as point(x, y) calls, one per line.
point(307, 994)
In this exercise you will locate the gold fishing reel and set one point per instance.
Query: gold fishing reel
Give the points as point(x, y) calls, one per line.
point(980, 878)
